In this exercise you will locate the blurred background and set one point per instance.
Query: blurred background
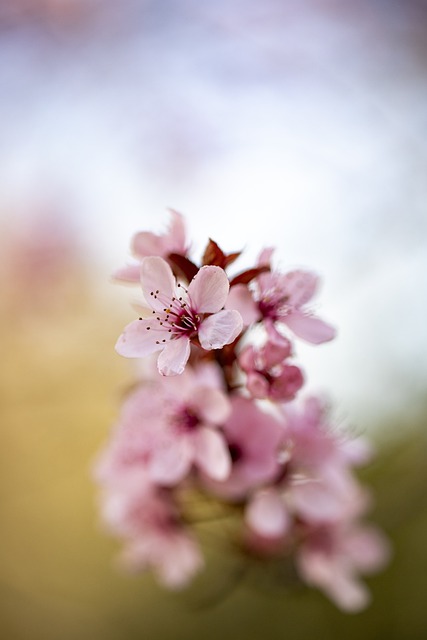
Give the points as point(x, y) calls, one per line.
point(296, 124)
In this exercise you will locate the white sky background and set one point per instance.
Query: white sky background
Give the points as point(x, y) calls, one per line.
point(300, 125)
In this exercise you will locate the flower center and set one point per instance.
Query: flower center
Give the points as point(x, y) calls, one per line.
point(178, 317)
point(273, 305)
point(186, 420)
point(236, 452)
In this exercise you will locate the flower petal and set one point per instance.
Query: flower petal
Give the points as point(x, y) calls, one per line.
point(176, 233)
point(172, 360)
point(309, 328)
point(178, 559)
point(158, 282)
point(316, 502)
point(219, 329)
point(212, 405)
point(257, 385)
point(264, 258)
point(212, 454)
point(208, 290)
point(170, 461)
point(139, 339)
point(240, 298)
point(300, 287)
point(146, 243)
point(129, 273)
point(267, 514)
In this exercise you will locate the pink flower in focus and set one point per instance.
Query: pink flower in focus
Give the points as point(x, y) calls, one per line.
point(268, 376)
point(178, 316)
point(331, 557)
point(253, 438)
point(146, 244)
point(155, 538)
point(169, 426)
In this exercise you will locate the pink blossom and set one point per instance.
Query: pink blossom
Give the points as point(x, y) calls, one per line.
point(331, 557)
point(319, 446)
point(315, 485)
point(281, 299)
point(319, 483)
point(146, 244)
point(268, 375)
point(170, 425)
point(148, 520)
point(179, 316)
point(253, 438)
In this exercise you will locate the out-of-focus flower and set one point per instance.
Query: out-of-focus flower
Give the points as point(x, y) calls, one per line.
point(145, 244)
point(168, 426)
point(155, 536)
point(331, 558)
point(268, 374)
point(253, 438)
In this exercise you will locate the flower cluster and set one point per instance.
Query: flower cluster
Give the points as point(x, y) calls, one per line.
point(219, 418)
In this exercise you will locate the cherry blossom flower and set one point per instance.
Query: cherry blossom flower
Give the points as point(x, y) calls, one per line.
point(315, 485)
point(168, 426)
point(331, 557)
point(179, 316)
point(281, 299)
point(220, 430)
point(318, 447)
point(148, 520)
point(253, 438)
point(145, 243)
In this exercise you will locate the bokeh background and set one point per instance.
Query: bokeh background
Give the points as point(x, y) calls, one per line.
point(298, 124)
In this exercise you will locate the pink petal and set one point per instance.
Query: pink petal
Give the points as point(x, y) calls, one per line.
point(247, 358)
point(309, 328)
point(264, 258)
point(177, 560)
point(146, 243)
point(348, 593)
point(176, 235)
point(240, 298)
point(171, 461)
point(368, 548)
point(300, 287)
point(274, 335)
point(130, 273)
point(157, 276)
point(257, 385)
point(274, 352)
point(212, 405)
point(323, 571)
point(316, 502)
point(212, 455)
point(138, 341)
point(208, 290)
point(267, 514)
point(219, 329)
point(172, 360)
